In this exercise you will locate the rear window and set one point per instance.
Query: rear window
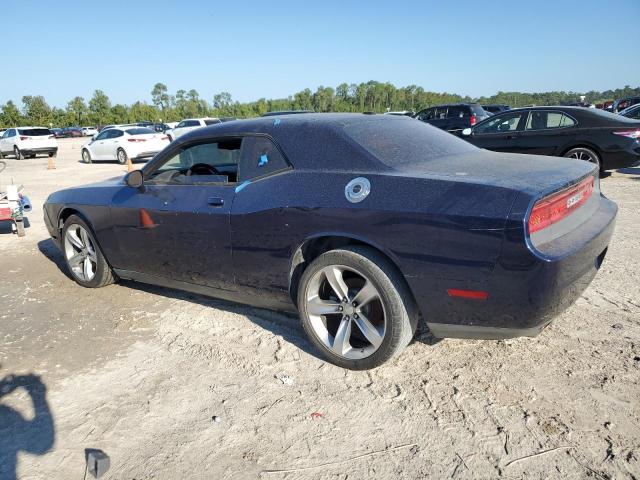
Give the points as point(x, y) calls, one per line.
point(402, 142)
point(34, 132)
point(478, 110)
point(139, 131)
point(212, 121)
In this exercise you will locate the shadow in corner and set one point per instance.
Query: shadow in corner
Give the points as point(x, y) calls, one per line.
point(630, 171)
point(18, 434)
point(286, 325)
point(6, 226)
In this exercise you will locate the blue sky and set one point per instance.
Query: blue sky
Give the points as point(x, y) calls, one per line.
point(272, 49)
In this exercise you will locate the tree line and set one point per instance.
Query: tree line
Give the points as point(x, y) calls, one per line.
point(167, 107)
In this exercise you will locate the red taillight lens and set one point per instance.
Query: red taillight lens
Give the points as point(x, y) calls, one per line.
point(555, 207)
point(136, 139)
point(628, 133)
point(473, 119)
point(24, 138)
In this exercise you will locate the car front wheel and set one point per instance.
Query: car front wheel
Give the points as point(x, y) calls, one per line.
point(86, 156)
point(82, 255)
point(356, 307)
point(121, 155)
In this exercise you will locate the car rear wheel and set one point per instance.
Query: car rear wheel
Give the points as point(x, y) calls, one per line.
point(586, 154)
point(82, 255)
point(356, 308)
point(121, 155)
point(17, 153)
point(86, 156)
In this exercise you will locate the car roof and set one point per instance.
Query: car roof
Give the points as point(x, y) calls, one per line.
point(586, 117)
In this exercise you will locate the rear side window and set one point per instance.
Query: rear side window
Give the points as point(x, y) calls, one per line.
point(458, 111)
point(428, 114)
point(404, 142)
point(115, 133)
point(441, 112)
point(139, 131)
point(212, 121)
point(259, 157)
point(542, 120)
point(34, 132)
point(189, 123)
point(567, 121)
point(478, 110)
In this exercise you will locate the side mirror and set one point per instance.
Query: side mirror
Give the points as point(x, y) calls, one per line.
point(467, 132)
point(134, 179)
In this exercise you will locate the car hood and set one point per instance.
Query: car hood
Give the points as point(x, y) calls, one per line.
point(532, 174)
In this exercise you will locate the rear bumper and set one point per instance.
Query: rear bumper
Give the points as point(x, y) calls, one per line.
point(527, 289)
point(35, 151)
point(143, 155)
point(622, 159)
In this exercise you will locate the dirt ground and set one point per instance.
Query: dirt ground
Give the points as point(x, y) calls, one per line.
point(140, 372)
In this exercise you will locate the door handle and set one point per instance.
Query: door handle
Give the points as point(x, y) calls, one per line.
point(215, 201)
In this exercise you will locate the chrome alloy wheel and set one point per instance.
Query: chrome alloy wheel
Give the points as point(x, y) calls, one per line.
point(346, 311)
point(580, 154)
point(80, 253)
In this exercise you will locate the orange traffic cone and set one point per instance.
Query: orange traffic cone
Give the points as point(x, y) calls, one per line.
point(50, 164)
point(129, 165)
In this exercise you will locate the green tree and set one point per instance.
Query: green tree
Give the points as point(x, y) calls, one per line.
point(160, 97)
point(77, 110)
point(10, 116)
point(100, 108)
point(36, 110)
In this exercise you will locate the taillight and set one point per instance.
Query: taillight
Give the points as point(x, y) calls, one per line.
point(24, 138)
point(473, 119)
point(560, 205)
point(628, 133)
point(136, 139)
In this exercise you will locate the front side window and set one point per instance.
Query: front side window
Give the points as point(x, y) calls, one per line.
point(507, 122)
point(457, 112)
point(103, 135)
point(542, 120)
point(428, 114)
point(12, 133)
point(260, 157)
point(115, 133)
point(210, 162)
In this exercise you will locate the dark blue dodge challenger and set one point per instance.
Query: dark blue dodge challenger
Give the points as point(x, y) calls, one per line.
point(362, 223)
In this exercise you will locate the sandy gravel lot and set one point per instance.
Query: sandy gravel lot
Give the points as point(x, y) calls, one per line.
point(140, 372)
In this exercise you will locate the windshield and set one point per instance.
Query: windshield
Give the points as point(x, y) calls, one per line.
point(402, 141)
point(34, 132)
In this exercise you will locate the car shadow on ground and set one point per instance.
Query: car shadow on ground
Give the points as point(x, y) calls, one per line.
point(278, 323)
point(19, 433)
point(7, 228)
point(630, 171)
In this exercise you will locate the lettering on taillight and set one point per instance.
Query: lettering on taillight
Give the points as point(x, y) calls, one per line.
point(560, 205)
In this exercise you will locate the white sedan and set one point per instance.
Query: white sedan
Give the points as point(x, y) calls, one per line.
point(123, 143)
point(189, 124)
point(89, 131)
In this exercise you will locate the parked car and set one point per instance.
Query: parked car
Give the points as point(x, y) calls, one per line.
point(69, 132)
point(619, 105)
point(190, 124)
point(57, 132)
point(360, 223)
point(493, 109)
point(453, 118)
point(285, 112)
point(407, 113)
point(605, 139)
point(89, 131)
point(123, 143)
point(28, 142)
point(632, 112)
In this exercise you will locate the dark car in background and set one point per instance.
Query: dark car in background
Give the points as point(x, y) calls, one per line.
point(624, 103)
point(632, 112)
point(493, 109)
point(303, 214)
point(57, 132)
point(453, 118)
point(603, 138)
point(69, 132)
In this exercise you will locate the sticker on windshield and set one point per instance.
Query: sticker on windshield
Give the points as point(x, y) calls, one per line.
point(263, 160)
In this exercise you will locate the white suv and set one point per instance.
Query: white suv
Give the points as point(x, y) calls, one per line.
point(28, 142)
point(189, 124)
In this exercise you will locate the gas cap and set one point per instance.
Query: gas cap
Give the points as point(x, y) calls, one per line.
point(357, 189)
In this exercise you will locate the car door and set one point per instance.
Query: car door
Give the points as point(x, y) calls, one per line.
point(99, 146)
point(5, 142)
point(440, 119)
point(177, 225)
point(114, 141)
point(499, 132)
point(546, 132)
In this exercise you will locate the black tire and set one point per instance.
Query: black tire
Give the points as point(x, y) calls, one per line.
point(170, 138)
point(86, 156)
point(32, 156)
point(121, 156)
point(586, 154)
point(103, 274)
point(401, 315)
point(17, 153)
